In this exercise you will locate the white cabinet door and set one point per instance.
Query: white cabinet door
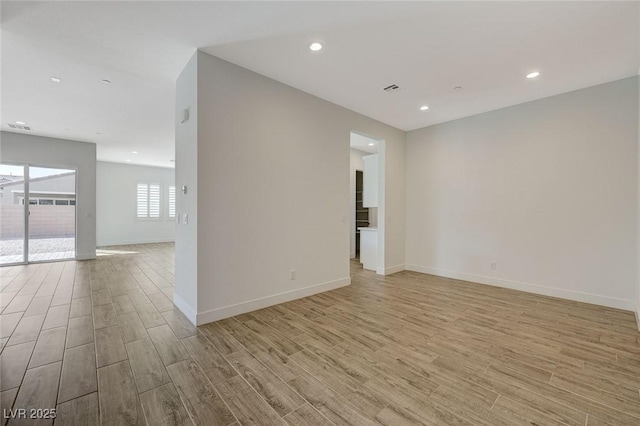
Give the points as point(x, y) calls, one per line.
point(369, 248)
point(370, 184)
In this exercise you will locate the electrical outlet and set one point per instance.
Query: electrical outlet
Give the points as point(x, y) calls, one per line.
point(292, 275)
point(493, 265)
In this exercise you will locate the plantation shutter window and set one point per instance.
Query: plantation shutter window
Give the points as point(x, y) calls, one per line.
point(154, 201)
point(172, 201)
point(148, 201)
point(143, 201)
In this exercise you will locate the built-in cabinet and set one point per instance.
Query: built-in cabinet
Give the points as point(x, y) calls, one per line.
point(370, 186)
point(369, 248)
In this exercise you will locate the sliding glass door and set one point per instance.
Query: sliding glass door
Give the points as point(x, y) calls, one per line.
point(38, 214)
point(52, 214)
point(12, 214)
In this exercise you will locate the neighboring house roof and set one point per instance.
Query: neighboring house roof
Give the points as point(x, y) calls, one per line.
point(17, 191)
point(19, 179)
point(6, 179)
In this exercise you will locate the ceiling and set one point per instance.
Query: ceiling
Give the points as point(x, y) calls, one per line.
point(363, 143)
point(427, 48)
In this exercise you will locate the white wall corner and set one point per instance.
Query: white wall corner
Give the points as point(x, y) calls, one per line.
point(390, 270)
point(637, 312)
point(185, 308)
point(263, 302)
point(578, 296)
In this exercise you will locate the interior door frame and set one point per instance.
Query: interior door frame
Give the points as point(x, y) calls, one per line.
point(26, 212)
point(382, 215)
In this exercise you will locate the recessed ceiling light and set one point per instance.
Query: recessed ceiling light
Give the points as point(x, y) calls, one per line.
point(134, 152)
point(371, 144)
point(55, 79)
point(105, 81)
point(21, 123)
point(533, 74)
point(98, 133)
point(315, 46)
point(457, 88)
point(424, 108)
point(128, 161)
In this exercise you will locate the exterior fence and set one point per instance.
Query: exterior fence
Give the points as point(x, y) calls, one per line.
point(44, 221)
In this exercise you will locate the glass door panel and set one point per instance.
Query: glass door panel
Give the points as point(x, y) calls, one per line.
point(12, 214)
point(52, 214)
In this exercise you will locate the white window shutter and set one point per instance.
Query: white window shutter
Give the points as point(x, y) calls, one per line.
point(172, 201)
point(154, 201)
point(142, 201)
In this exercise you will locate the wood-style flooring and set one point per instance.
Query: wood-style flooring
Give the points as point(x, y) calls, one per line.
point(102, 343)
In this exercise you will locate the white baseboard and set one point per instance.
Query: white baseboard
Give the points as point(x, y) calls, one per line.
point(390, 270)
point(186, 309)
point(577, 296)
point(263, 302)
point(129, 242)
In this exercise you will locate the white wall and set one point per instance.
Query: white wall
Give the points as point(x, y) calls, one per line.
point(18, 148)
point(116, 221)
point(547, 189)
point(638, 209)
point(273, 192)
point(391, 213)
point(185, 294)
point(355, 164)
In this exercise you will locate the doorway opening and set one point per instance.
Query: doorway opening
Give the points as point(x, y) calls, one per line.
point(38, 214)
point(362, 213)
point(366, 231)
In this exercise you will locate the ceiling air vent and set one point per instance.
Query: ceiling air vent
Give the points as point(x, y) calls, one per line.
point(18, 126)
point(391, 88)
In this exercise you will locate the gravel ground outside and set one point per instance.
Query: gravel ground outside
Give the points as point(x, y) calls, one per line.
point(44, 245)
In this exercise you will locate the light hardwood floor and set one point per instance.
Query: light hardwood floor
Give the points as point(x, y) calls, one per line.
point(102, 342)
